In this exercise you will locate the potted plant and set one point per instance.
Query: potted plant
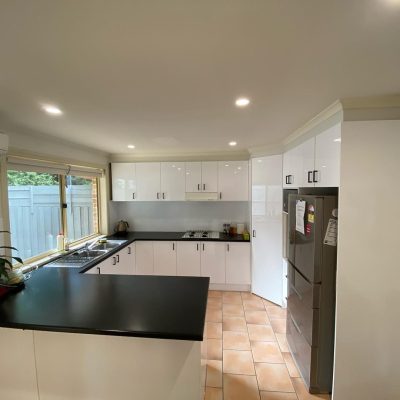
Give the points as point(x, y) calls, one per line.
point(10, 280)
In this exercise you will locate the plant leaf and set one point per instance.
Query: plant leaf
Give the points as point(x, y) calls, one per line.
point(3, 256)
point(8, 247)
point(5, 232)
point(18, 259)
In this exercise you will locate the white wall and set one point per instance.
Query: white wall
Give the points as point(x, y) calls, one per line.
point(368, 281)
point(178, 216)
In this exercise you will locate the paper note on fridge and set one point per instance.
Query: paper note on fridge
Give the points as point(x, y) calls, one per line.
point(300, 211)
point(331, 233)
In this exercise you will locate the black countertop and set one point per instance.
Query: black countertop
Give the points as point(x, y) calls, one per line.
point(62, 299)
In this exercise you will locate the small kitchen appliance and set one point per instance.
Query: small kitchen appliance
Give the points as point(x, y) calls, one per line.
point(121, 227)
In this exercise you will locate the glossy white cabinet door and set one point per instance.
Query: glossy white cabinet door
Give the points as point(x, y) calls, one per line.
point(267, 228)
point(110, 266)
point(209, 176)
point(123, 176)
point(164, 258)
point(307, 155)
point(233, 180)
point(188, 258)
point(126, 261)
point(238, 263)
point(213, 261)
point(327, 157)
point(148, 178)
point(144, 258)
point(173, 181)
point(193, 176)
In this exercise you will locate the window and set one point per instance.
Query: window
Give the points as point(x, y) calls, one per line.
point(41, 205)
point(81, 211)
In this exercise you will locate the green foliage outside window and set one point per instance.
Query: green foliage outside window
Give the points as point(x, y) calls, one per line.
point(22, 178)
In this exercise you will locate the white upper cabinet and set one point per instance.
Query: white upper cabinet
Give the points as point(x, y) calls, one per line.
point(315, 162)
point(123, 181)
point(307, 156)
point(327, 157)
point(209, 176)
point(193, 177)
point(202, 176)
point(173, 181)
point(148, 181)
point(164, 258)
point(233, 180)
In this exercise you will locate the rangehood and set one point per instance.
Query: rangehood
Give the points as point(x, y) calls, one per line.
point(201, 196)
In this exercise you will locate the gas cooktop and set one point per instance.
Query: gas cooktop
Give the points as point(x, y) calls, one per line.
point(201, 235)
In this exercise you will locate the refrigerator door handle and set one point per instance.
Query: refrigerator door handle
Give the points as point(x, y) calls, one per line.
point(295, 325)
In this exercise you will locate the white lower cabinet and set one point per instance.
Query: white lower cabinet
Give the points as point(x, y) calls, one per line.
point(213, 261)
point(126, 261)
point(144, 258)
point(237, 263)
point(188, 259)
point(164, 258)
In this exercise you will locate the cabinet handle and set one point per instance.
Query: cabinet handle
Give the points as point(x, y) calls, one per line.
point(114, 260)
point(220, 195)
point(290, 181)
point(197, 247)
point(158, 196)
point(227, 246)
point(309, 177)
point(204, 186)
point(198, 187)
point(254, 233)
point(117, 258)
point(133, 195)
point(173, 246)
point(315, 177)
point(163, 196)
point(286, 181)
point(203, 246)
point(98, 270)
point(129, 250)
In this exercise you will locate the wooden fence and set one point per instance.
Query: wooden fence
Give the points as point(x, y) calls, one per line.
point(35, 216)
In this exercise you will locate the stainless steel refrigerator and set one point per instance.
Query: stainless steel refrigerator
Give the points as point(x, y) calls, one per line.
point(312, 245)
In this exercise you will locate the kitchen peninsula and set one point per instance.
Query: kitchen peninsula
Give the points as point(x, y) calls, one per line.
point(77, 336)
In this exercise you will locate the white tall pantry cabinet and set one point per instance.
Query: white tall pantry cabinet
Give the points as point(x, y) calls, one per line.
point(267, 275)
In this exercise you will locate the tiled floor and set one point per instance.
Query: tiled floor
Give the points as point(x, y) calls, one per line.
point(246, 353)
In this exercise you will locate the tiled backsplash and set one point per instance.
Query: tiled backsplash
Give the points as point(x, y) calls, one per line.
point(178, 216)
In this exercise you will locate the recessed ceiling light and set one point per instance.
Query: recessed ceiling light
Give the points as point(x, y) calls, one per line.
point(242, 102)
point(53, 110)
point(338, 140)
point(232, 143)
point(131, 146)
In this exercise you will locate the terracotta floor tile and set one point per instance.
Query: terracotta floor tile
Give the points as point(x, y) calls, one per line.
point(232, 298)
point(232, 310)
point(268, 303)
point(215, 293)
point(214, 330)
point(249, 296)
point(214, 302)
point(256, 317)
point(276, 312)
point(278, 396)
point(214, 349)
point(214, 373)
point(236, 324)
point(266, 352)
point(240, 387)
point(291, 366)
point(261, 333)
point(283, 345)
point(238, 362)
point(213, 315)
point(253, 304)
point(273, 377)
point(303, 394)
point(235, 341)
point(213, 394)
point(278, 325)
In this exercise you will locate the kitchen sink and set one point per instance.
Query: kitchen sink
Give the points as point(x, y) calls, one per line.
point(109, 245)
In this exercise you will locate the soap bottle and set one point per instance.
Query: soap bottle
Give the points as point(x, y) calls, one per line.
point(60, 242)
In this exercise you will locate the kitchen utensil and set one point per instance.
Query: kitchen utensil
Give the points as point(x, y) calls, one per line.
point(121, 227)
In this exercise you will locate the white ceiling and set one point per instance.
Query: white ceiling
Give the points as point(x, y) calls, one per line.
point(163, 75)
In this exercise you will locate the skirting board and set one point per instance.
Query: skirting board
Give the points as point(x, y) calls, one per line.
point(233, 288)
